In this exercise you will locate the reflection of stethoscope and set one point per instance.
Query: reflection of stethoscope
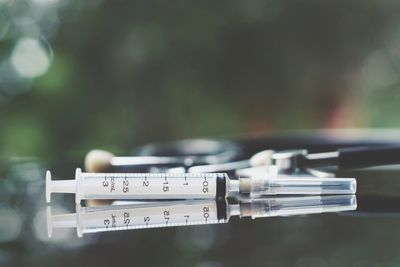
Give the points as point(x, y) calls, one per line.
point(309, 155)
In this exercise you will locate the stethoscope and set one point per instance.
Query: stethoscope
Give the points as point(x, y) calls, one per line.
point(311, 155)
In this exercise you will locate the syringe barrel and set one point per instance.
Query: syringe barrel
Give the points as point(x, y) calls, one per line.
point(301, 186)
point(142, 186)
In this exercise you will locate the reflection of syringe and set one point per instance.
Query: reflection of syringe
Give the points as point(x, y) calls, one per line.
point(191, 212)
point(144, 186)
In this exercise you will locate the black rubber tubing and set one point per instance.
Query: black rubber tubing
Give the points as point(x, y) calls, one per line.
point(368, 156)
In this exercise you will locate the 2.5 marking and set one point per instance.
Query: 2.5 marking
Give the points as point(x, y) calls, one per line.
point(125, 185)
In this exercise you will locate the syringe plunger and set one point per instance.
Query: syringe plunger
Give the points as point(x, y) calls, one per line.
point(61, 186)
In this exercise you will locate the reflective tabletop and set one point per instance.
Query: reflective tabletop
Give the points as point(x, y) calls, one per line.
point(353, 236)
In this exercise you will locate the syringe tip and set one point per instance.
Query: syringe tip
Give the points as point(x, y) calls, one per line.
point(98, 160)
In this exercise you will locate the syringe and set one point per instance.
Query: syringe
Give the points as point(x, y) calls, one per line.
point(156, 186)
point(191, 212)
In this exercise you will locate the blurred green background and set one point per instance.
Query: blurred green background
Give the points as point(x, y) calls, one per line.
point(77, 75)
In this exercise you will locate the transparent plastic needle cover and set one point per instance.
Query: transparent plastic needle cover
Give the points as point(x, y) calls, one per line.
point(302, 185)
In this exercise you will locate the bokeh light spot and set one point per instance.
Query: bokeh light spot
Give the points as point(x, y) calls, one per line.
point(29, 58)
